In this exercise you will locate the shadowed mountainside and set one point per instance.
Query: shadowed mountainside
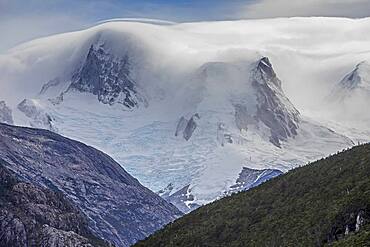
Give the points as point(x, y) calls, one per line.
point(118, 207)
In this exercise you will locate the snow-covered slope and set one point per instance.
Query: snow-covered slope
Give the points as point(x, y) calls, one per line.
point(353, 91)
point(193, 104)
point(345, 109)
point(358, 79)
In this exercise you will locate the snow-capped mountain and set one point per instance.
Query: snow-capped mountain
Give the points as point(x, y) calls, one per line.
point(273, 108)
point(188, 107)
point(101, 74)
point(354, 84)
point(346, 103)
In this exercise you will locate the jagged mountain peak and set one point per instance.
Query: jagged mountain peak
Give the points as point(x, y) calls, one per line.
point(253, 91)
point(353, 89)
point(266, 73)
point(359, 78)
point(104, 74)
point(108, 77)
point(273, 108)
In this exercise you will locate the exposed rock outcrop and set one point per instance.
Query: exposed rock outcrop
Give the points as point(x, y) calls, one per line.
point(108, 77)
point(274, 109)
point(182, 199)
point(102, 74)
point(35, 216)
point(249, 178)
point(187, 127)
point(181, 125)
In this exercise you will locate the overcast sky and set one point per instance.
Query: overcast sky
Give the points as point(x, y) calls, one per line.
point(23, 20)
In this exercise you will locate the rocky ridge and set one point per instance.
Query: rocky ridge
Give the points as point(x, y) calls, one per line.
point(36, 216)
point(118, 207)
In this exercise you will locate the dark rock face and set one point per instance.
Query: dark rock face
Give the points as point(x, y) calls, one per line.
point(187, 127)
point(108, 77)
point(118, 207)
point(35, 216)
point(182, 199)
point(181, 125)
point(274, 109)
point(6, 115)
point(249, 178)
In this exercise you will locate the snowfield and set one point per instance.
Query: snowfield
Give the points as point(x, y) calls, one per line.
point(213, 75)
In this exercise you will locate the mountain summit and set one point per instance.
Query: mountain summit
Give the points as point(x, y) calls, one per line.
point(190, 109)
point(273, 108)
point(356, 83)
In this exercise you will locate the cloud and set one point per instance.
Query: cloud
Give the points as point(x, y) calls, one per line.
point(290, 8)
point(21, 21)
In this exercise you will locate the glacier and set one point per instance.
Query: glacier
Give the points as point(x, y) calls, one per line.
point(199, 102)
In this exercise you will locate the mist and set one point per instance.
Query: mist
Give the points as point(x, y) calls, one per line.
point(309, 55)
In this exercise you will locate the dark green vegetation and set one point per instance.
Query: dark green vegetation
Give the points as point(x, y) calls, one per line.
point(35, 216)
point(361, 239)
point(309, 206)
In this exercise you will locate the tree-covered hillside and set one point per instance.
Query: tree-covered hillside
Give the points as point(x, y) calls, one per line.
point(323, 203)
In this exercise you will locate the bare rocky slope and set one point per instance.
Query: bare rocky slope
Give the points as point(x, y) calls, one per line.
point(35, 216)
point(118, 207)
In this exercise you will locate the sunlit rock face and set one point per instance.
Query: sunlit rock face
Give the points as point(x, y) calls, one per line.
point(273, 108)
